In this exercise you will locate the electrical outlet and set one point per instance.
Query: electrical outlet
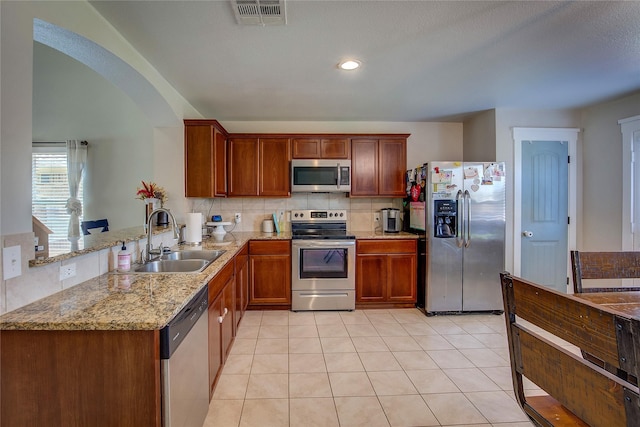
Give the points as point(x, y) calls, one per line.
point(238, 218)
point(67, 271)
point(376, 217)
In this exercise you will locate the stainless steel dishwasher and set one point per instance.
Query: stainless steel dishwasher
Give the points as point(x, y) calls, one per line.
point(184, 365)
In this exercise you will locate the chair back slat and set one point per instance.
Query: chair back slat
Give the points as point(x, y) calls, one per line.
point(604, 265)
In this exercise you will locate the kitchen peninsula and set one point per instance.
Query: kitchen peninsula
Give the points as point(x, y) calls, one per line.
point(92, 352)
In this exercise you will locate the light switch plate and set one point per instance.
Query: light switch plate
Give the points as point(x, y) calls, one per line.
point(11, 262)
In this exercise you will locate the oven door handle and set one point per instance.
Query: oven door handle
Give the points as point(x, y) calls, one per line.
point(336, 244)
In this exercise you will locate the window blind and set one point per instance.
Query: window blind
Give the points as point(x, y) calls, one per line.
point(49, 194)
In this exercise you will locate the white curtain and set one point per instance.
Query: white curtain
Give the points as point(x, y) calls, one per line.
point(76, 161)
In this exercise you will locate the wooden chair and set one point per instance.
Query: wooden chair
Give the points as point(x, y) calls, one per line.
point(579, 392)
point(99, 223)
point(604, 265)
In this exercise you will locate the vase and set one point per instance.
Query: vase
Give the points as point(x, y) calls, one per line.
point(149, 206)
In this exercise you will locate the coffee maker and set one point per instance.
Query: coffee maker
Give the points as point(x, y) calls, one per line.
point(391, 220)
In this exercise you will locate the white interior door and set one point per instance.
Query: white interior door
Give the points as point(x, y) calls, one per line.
point(544, 202)
point(545, 212)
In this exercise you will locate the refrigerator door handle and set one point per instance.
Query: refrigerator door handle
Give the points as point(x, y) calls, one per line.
point(467, 221)
point(459, 216)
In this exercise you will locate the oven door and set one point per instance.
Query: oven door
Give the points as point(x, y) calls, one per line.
point(323, 264)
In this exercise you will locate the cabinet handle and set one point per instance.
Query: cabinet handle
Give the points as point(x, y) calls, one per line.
point(221, 318)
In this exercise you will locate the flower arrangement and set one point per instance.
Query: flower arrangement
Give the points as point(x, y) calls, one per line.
point(151, 190)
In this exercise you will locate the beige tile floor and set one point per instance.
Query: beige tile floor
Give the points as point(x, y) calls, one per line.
point(366, 368)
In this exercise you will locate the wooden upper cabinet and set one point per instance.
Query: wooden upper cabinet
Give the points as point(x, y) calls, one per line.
point(259, 166)
point(275, 167)
point(205, 156)
point(378, 167)
point(364, 167)
point(392, 166)
point(320, 148)
point(243, 166)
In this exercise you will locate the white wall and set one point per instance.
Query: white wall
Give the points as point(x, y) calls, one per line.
point(602, 173)
point(479, 143)
point(71, 101)
point(16, 81)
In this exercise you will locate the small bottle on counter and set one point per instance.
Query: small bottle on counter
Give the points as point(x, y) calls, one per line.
point(124, 258)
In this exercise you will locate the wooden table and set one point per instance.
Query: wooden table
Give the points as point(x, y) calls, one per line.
point(625, 303)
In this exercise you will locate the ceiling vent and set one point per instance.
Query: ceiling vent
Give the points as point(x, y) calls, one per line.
point(260, 12)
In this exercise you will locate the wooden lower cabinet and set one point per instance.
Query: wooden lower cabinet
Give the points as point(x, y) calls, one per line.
point(80, 378)
point(270, 273)
point(386, 272)
point(221, 321)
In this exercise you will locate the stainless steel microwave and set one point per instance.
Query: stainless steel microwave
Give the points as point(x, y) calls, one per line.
point(321, 175)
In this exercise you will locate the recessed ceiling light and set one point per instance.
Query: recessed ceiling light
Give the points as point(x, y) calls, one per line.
point(349, 64)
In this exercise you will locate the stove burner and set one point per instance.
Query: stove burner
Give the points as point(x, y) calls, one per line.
point(312, 224)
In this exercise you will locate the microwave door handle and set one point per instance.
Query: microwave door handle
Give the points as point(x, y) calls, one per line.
point(339, 175)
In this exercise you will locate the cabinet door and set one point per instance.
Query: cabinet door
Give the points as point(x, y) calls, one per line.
point(215, 340)
point(371, 278)
point(220, 163)
point(364, 167)
point(227, 309)
point(335, 148)
point(305, 148)
point(401, 277)
point(275, 173)
point(242, 284)
point(243, 167)
point(199, 156)
point(270, 279)
point(392, 166)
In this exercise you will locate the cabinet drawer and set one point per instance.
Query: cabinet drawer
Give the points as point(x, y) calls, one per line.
point(269, 247)
point(385, 246)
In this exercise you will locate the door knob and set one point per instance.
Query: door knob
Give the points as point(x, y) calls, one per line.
point(527, 233)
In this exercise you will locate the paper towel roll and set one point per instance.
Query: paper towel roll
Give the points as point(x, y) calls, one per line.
point(193, 231)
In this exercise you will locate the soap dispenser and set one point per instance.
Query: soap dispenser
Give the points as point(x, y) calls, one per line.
point(124, 258)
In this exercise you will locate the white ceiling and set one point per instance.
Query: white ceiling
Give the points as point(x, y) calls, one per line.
point(422, 60)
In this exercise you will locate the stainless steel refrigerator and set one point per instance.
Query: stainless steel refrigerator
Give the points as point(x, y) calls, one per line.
point(466, 235)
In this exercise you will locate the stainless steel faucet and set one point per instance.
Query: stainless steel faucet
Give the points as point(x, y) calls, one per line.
point(174, 226)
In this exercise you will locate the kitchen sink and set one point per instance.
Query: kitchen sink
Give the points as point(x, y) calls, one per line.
point(190, 255)
point(180, 262)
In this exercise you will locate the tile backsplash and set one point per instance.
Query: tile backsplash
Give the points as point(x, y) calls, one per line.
point(39, 282)
point(255, 210)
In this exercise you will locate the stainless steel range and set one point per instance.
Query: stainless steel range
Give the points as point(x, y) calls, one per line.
point(323, 261)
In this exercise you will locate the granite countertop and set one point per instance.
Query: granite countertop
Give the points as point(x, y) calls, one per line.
point(140, 301)
point(117, 301)
point(98, 241)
